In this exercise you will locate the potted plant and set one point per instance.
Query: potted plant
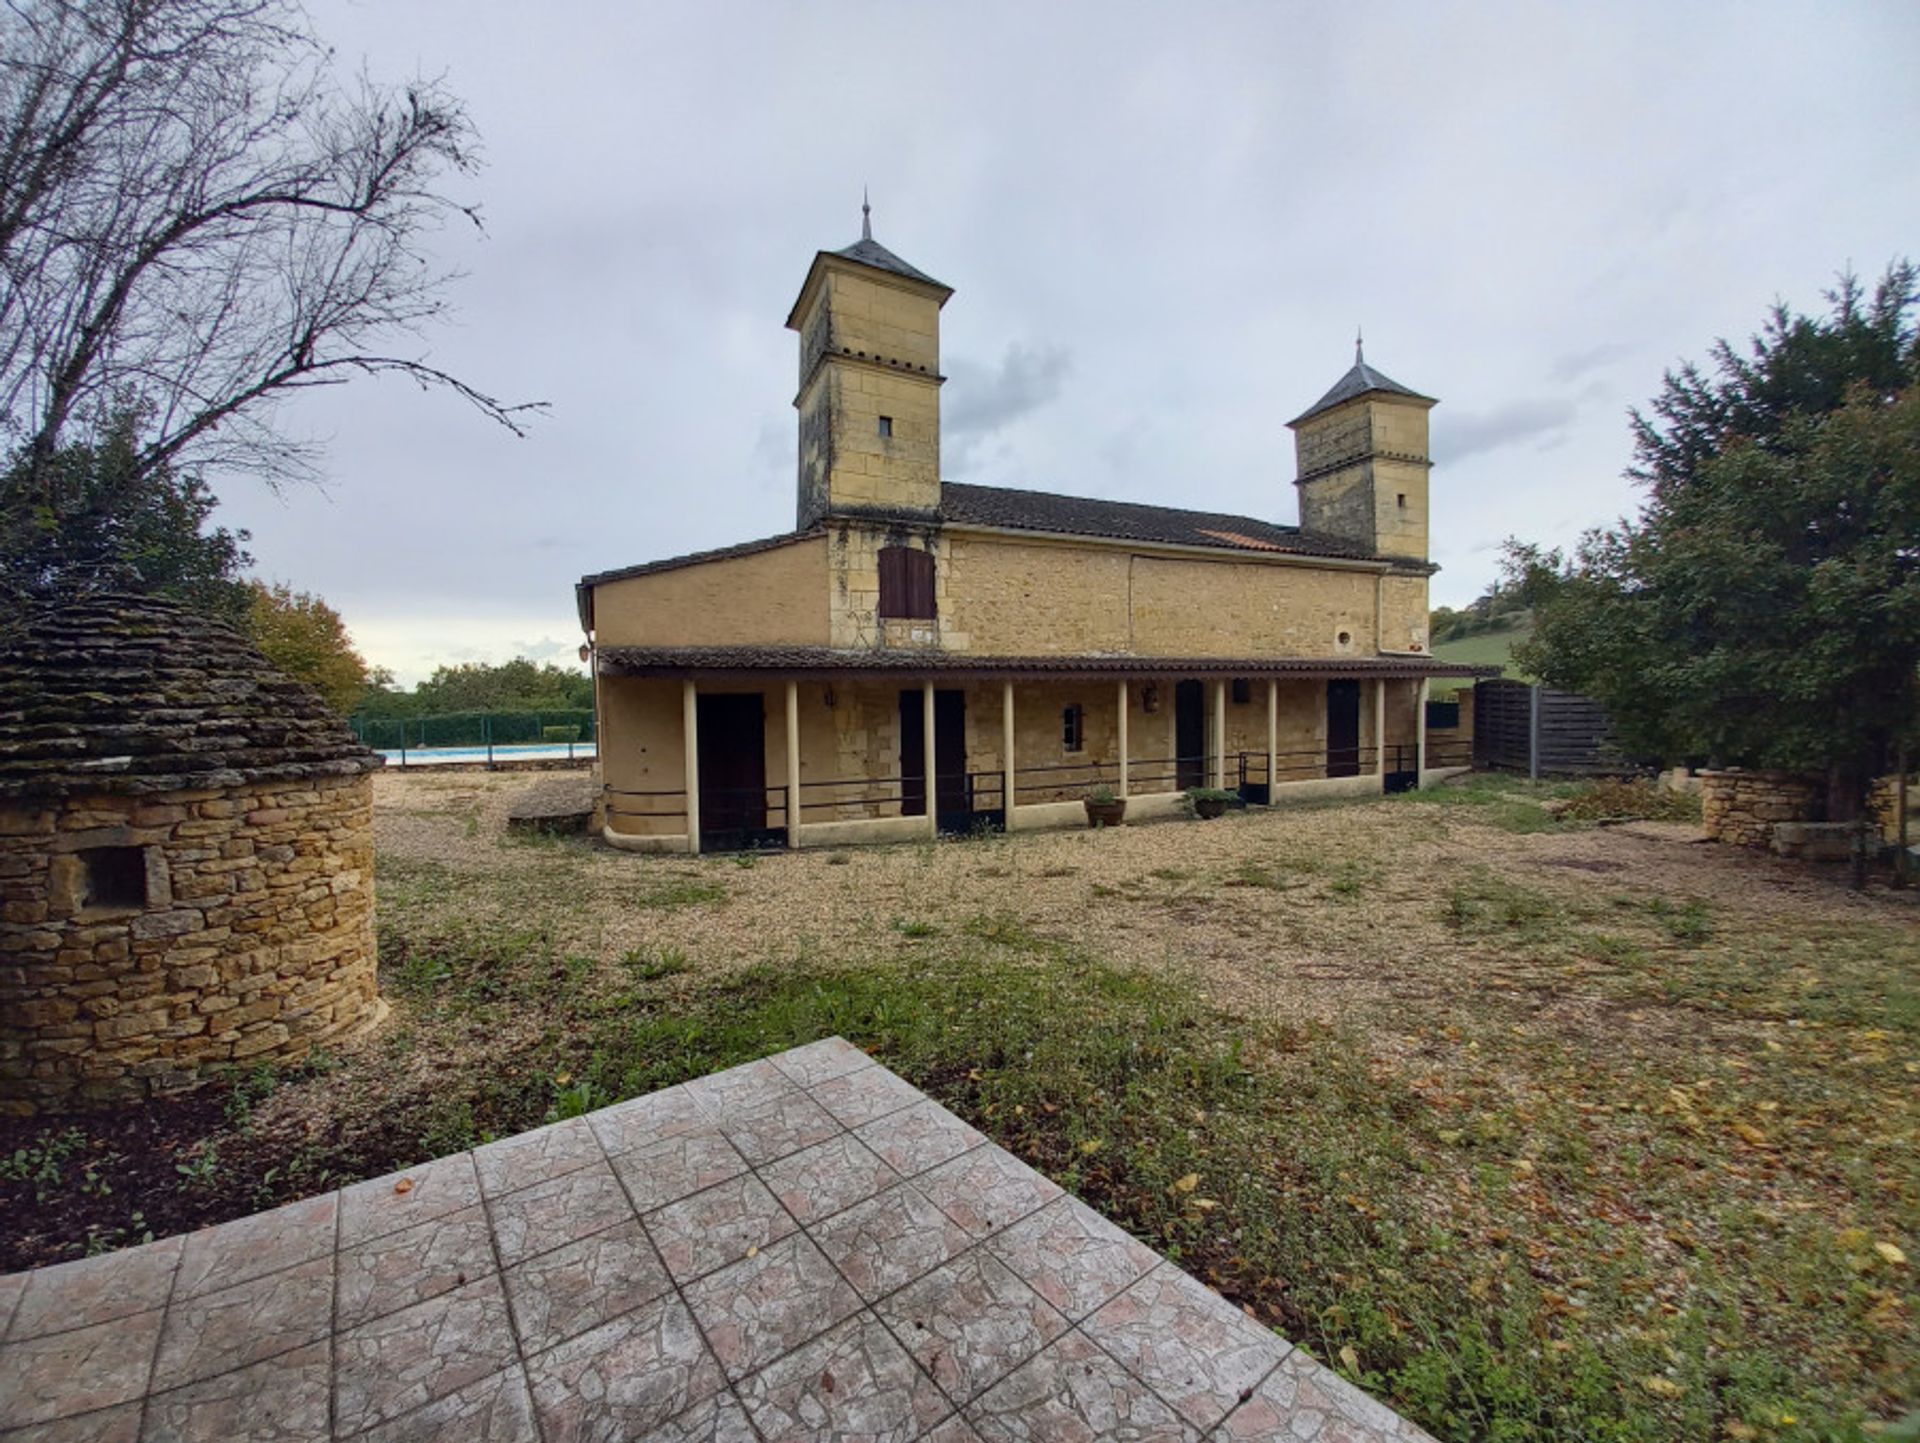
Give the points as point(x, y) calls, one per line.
point(1104, 807)
point(1208, 802)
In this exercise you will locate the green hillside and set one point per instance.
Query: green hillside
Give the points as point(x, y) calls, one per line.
point(1489, 648)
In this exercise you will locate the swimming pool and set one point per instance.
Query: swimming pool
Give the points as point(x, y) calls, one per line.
point(524, 752)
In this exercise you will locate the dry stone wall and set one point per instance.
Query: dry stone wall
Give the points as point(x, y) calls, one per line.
point(1741, 807)
point(247, 936)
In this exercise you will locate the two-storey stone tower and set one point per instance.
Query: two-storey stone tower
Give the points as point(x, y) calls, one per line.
point(1361, 463)
point(869, 397)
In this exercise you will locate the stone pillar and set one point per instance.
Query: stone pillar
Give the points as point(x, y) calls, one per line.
point(1123, 738)
point(1273, 740)
point(1420, 730)
point(1006, 753)
point(1220, 734)
point(793, 764)
point(690, 758)
point(1380, 730)
point(927, 740)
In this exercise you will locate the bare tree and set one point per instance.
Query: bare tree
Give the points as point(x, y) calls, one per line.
point(198, 217)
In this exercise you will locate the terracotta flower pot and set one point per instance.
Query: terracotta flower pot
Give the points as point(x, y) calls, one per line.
point(1105, 814)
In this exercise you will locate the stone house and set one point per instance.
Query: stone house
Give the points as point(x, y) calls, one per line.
point(918, 656)
point(186, 857)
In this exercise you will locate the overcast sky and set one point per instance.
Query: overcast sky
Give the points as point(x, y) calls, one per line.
point(1162, 224)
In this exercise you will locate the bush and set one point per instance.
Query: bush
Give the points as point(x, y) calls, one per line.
point(1613, 798)
point(560, 734)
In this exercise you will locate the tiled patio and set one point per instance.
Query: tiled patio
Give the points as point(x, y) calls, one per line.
point(805, 1247)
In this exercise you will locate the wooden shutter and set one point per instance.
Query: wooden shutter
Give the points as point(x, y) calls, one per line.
point(906, 584)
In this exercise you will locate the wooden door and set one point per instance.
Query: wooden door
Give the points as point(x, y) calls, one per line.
point(952, 799)
point(1343, 728)
point(733, 772)
point(1190, 734)
point(913, 754)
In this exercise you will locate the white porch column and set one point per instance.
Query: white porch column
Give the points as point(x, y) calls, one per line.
point(1273, 741)
point(1380, 730)
point(927, 740)
point(793, 764)
point(1420, 729)
point(690, 756)
point(1006, 754)
point(1123, 738)
point(1220, 734)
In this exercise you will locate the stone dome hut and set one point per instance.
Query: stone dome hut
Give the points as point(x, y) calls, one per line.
point(186, 857)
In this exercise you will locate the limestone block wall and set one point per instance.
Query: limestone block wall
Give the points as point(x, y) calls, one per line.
point(254, 943)
point(1883, 803)
point(1740, 806)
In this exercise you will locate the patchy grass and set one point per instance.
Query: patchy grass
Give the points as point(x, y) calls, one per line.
point(1538, 1131)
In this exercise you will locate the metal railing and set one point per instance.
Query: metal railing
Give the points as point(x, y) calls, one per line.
point(1311, 765)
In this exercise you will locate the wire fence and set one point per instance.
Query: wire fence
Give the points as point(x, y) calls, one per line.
point(474, 729)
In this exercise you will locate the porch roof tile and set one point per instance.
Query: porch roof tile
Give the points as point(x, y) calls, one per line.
point(824, 661)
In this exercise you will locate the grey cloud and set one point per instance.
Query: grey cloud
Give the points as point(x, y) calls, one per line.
point(979, 402)
point(1575, 364)
point(1545, 420)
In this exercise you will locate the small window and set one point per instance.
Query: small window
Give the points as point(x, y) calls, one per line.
point(1073, 728)
point(906, 584)
point(1242, 691)
point(886, 429)
point(115, 877)
point(1403, 500)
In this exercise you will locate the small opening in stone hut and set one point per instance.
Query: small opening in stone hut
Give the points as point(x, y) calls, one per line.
point(116, 877)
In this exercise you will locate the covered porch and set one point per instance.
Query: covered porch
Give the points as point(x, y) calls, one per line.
point(729, 749)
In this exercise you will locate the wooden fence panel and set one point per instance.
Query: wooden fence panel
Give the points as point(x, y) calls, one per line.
point(1542, 731)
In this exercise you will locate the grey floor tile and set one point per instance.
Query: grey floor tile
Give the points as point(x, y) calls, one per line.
point(216, 1332)
point(643, 1121)
point(405, 1360)
point(722, 1095)
point(250, 1247)
point(986, 1189)
point(397, 1270)
point(828, 1177)
point(719, 1419)
point(889, 1240)
point(677, 1167)
point(919, 1137)
point(768, 1304)
point(531, 1157)
point(626, 1378)
point(970, 1323)
point(557, 1295)
point(119, 1424)
point(1187, 1343)
point(12, 1285)
point(96, 1290)
point(78, 1371)
point(955, 1430)
point(1073, 1257)
point(1072, 1390)
point(853, 1382)
point(283, 1399)
point(401, 1199)
point(722, 1225)
point(561, 1210)
point(778, 1128)
point(496, 1409)
point(860, 1097)
point(820, 1061)
point(1303, 1402)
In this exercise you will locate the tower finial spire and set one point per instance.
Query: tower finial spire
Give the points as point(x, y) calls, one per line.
point(866, 216)
point(1359, 353)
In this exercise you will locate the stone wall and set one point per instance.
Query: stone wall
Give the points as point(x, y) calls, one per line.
point(1740, 806)
point(254, 944)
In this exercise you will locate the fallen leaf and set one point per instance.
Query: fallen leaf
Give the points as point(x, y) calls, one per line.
point(405, 1185)
point(1091, 1146)
point(754, 1251)
point(1751, 1134)
point(1349, 1357)
point(1205, 1204)
point(561, 1079)
point(1891, 1253)
point(1661, 1387)
point(1187, 1183)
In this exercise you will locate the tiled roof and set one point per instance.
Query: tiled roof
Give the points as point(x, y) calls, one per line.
point(1132, 521)
point(831, 661)
point(116, 693)
point(1359, 381)
point(694, 558)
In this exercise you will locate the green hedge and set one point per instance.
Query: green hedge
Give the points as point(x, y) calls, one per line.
point(474, 729)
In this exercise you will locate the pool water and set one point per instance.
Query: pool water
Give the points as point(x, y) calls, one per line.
point(528, 751)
